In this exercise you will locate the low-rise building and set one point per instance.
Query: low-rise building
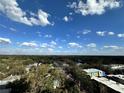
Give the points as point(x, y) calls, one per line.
point(117, 66)
point(92, 72)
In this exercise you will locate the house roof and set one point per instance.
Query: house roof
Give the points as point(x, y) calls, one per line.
point(93, 70)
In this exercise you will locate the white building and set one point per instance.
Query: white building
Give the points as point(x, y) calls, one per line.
point(92, 72)
point(117, 66)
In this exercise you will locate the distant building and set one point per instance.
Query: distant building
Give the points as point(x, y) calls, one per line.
point(117, 66)
point(118, 78)
point(92, 72)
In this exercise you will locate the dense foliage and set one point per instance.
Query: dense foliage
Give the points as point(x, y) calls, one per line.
point(52, 74)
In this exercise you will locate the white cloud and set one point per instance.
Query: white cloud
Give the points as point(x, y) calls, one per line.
point(112, 47)
point(12, 10)
point(29, 44)
point(48, 36)
point(66, 19)
point(51, 44)
point(13, 29)
point(111, 33)
point(91, 45)
point(70, 13)
point(5, 41)
point(101, 33)
point(74, 45)
point(84, 32)
point(44, 45)
point(42, 19)
point(121, 35)
point(91, 7)
point(50, 49)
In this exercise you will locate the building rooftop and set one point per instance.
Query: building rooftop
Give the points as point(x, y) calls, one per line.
point(118, 76)
point(92, 70)
point(110, 83)
point(117, 66)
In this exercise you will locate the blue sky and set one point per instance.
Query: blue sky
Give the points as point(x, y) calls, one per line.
point(64, 27)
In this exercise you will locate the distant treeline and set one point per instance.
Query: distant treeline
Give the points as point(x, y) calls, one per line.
point(80, 59)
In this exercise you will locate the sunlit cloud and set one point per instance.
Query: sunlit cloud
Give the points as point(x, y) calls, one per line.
point(94, 7)
point(74, 45)
point(29, 44)
point(13, 11)
point(91, 45)
point(5, 40)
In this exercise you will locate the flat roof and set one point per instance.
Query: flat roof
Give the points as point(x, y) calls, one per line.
point(92, 70)
point(118, 76)
point(111, 84)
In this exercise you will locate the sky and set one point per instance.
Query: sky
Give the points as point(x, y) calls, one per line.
point(62, 27)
